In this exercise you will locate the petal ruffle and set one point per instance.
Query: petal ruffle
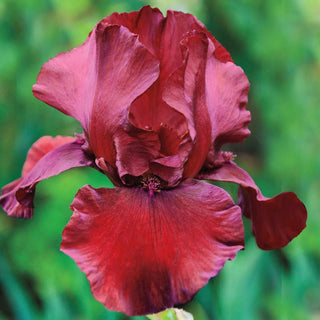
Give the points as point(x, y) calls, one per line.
point(143, 253)
point(96, 82)
point(47, 157)
point(275, 221)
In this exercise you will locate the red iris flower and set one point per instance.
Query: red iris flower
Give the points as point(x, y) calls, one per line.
point(157, 97)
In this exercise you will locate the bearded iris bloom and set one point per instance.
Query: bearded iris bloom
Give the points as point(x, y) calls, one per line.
point(157, 98)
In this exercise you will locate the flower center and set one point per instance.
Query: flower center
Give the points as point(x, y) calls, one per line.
point(151, 183)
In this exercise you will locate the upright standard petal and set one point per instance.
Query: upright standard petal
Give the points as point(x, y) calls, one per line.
point(46, 158)
point(125, 70)
point(145, 23)
point(185, 92)
point(157, 32)
point(227, 94)
point(275, 221)
point(96, 82)
point(143, 252)
point(167, 47)
point(68, 81)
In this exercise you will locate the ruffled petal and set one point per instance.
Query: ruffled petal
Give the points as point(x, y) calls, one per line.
point(227, 95)
point(275, 221)
point(146, 252)
point(46, 158)
point(140, 152)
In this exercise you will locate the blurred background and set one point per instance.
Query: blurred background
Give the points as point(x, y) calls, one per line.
point(277, 43)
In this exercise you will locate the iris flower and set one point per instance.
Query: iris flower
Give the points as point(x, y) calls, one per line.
point(157, 98)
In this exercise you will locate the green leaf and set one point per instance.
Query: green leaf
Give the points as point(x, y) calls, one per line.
point(20, 303)
point(171, 314)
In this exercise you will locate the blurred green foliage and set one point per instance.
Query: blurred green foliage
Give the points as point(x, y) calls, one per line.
point(277, 43)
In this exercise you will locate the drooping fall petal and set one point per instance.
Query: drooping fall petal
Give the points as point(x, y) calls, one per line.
point(40, 148)
point(143, 253)
point(47, 157)
point(275, 221)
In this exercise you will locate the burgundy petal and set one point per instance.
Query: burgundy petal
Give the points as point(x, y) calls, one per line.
point(143, 253)
point(40, 148)
point(227, 95)
point(126, 69)
point(157, 32)
point(96, 82)
point(185, 92)
point(169, 169)
point(167, 36)
point(275, 221)
point(67, 82)
point(139, 151)
point(46, 158)
point(135, 151)
point(144, 22)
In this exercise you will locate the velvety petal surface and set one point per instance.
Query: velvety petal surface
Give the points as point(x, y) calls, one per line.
point(47, 157)
point(143, 253)
point(275, 221)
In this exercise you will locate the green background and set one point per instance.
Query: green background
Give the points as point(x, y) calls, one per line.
point(277, 43)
